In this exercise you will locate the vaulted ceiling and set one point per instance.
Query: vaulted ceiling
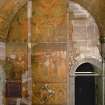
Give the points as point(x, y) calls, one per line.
point(46, 17)
point(9, 9)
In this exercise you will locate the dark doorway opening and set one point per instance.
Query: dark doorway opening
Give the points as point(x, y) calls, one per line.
point(85, 86)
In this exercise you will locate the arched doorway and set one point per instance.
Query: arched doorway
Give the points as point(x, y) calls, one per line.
point(85, 36)
point(85, 85)
point(86, 74)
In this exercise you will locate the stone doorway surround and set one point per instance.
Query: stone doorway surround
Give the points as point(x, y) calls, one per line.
point(85, 85)
point(97, 67)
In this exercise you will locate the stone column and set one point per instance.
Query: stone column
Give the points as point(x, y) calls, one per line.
point(2, 73)
point(103, 58)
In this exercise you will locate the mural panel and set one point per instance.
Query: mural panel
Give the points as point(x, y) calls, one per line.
point(49, 70)
point(49, 42)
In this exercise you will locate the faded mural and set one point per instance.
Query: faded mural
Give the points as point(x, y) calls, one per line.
point(62, 39)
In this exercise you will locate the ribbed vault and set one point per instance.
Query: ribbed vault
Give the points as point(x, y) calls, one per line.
point(8, 10)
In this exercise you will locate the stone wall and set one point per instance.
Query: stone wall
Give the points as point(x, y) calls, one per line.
point(97, 9)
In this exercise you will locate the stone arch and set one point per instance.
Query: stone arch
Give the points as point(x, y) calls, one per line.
point(91, 54)
point(81, 16)
point(97, 67)
point(95, 62)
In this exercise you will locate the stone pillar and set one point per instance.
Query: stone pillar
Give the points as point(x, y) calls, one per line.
point(103, 57)
point(2, 73)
